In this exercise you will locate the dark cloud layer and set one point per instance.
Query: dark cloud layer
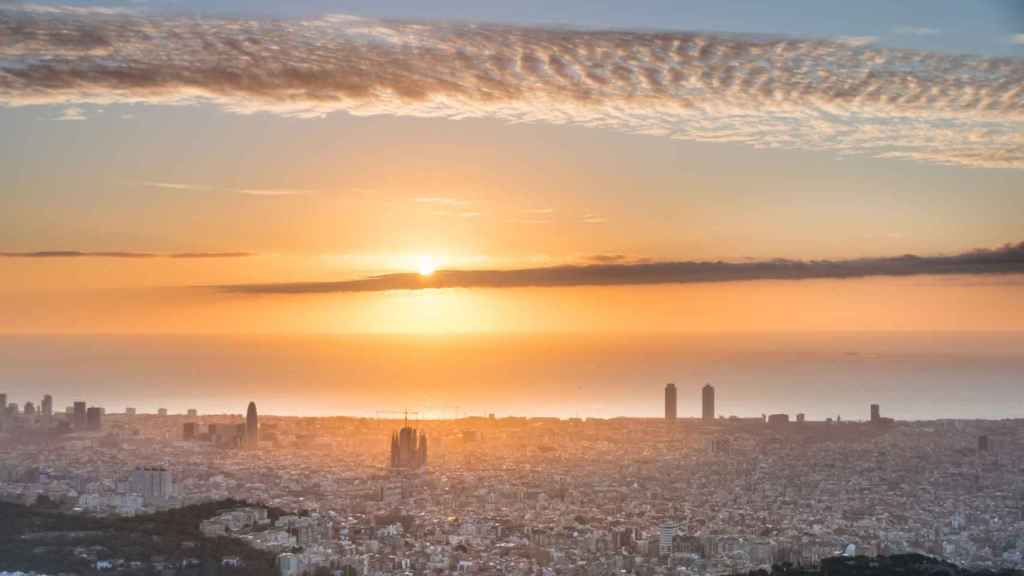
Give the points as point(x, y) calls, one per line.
point(1006, 260)
point(838, 95)
point(79, 254)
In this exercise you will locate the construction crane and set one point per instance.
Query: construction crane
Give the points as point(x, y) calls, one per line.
point(405, 412)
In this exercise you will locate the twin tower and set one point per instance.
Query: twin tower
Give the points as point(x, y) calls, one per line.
point(707, 401)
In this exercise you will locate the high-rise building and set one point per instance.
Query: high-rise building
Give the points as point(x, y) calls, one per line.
point(983, 443)
point(252, 427)
point(408, 451)
point(129, 411)
point(30, 409)
point(776, 419)
point(161, 412)
point(47, 405)
point(78, 416)
point(670, 401)
point(155, 484)
point(94, 418)
point(192, 413)
point(708, 402)
point(876, 413)
point(666, 534)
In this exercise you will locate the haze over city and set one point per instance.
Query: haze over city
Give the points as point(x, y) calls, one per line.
point(538, 288)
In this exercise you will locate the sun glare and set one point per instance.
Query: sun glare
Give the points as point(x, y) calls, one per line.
point(427, 265)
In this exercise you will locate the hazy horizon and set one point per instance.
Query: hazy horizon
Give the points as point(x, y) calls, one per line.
point(912, 375)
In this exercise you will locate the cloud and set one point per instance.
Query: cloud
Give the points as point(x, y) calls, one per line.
point(857, 41)
point(1006, 260)
point(593, 219)
point(1017, 39)
point(445, 201)
point(270, 192)
point(916, 31)
point(848, 97)
point(80, 254)
point(72, 113)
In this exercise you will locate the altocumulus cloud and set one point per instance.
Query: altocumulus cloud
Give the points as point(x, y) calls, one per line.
point(610, 271)
point(763, 91)
point(121, 254)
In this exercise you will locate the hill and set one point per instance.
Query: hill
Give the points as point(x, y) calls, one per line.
point(45, 540)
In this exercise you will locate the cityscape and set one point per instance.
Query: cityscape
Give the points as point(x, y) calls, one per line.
point(517, 288)
point(705, 494)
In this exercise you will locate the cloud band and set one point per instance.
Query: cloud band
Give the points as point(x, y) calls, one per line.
point(1006, 260)
point(762, 91)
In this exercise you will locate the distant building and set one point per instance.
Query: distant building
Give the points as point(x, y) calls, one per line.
point(129, 411)
point(161, 412)
point(708, 402)
point(78, 415)
point(30, 409)
point(670, 401)
point(252, 427)
point(47, 405)
point(800, 417)
point(666, 534)
point(94, 418)
point(983, 445)
point(192, 412)
point(876, 413)
point(408, 451)
point(775, 419)
point(155, 484)
point(189, 431)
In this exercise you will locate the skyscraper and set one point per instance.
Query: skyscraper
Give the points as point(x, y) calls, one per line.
point(708, 402)
point(47, 405)
point(78, 416)
point(3, 406)
point(30, 408)
point(252, 427)
point(670, 401)
point(876, 413)
point(94, 418)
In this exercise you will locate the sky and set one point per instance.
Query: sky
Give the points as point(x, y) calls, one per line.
point(458, 168)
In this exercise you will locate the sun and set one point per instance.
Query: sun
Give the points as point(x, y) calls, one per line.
point(426, 265)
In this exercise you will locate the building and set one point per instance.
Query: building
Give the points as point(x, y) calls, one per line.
point(408, 451)
point(252, 427)
point(227, 435)
point(666, 533)
point(708, 402)
point(161, 412)
point(78, 415)
point(30, 409)
point(801, 417)
point(983, 445)
point(47, 405)
point(189, 431)
point(776, 419)
point(876, 413)
point(154, 484)
point(94, 418)
point(3, 406)
point(670, 401)
point(192, 413)
point(129, 411)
